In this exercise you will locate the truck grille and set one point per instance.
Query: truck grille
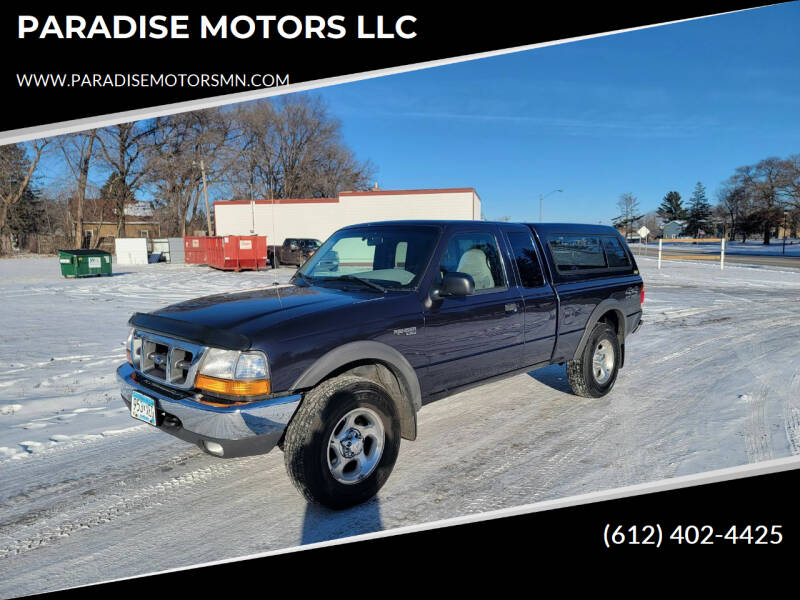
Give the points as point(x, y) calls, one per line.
point(165, 360)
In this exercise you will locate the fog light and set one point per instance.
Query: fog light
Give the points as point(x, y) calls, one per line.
point(213, 448)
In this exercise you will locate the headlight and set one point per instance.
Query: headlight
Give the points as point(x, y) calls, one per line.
point(251, 365)
point(234, 373)
point(220, 363)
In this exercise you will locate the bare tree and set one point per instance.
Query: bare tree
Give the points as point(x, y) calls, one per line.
point(628, 206)
point(78, 151)
point(292, 148)
point(791, 181)
point(18, 164)
point(733, 206)
point(258, 173)
point(122, 147)
point(765, 183)
point(182, 147)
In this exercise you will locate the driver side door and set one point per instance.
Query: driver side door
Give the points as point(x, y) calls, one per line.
point(475, 337)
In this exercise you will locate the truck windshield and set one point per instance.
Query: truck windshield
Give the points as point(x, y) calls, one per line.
point(392, 257)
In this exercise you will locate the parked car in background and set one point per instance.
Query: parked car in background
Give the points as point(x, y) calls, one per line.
point(334, 367)
point(293, 251)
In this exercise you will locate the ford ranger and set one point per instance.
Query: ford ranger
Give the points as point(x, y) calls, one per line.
point(334, 367)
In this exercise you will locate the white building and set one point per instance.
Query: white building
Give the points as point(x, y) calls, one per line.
point(320, 217)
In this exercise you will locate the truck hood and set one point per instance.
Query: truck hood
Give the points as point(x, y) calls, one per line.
point(231, 310)
point(231, 320)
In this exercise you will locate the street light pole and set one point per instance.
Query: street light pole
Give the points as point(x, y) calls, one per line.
point(541, 200)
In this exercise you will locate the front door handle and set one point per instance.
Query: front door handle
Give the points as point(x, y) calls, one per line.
point(512, 307)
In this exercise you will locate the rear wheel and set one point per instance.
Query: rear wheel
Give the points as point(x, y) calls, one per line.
point(342, 443)
point(594, 373)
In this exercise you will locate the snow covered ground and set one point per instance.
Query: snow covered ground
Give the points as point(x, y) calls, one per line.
point(711, 380)
point(61, 340)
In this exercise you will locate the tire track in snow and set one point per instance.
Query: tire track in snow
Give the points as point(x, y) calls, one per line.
point(733, 339)
point(72, 444)
point(791, 415)
point(756, 434)
point(756, 358)
point(105, 510)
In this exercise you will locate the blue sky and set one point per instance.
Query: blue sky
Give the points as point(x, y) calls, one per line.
point(643, 112)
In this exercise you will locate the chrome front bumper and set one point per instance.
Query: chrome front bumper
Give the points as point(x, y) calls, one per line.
point(253, 428)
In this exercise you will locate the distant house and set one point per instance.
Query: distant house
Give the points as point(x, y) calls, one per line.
point(100, 222)
point(673, 229)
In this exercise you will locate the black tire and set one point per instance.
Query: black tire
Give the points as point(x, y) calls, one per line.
point(583, 379)
point(306, 445)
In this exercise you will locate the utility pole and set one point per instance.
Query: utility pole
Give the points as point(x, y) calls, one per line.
point(205, 193)
point(541, 199)
point(275, 259)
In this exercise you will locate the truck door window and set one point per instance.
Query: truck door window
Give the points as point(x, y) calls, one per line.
point(476, 255)
point(530, 272)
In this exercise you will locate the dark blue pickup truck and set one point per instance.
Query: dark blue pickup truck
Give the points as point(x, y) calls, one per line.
point(334, 367)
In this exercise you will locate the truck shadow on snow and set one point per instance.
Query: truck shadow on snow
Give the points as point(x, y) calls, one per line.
point(321, 524)
point(553, 376)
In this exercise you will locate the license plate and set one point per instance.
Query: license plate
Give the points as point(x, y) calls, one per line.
point(143, 408)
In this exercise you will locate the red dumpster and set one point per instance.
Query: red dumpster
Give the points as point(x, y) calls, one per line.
point(214, 253)
point(229, 253)
point(194, 248)
point(237, 252)
point(245, 252)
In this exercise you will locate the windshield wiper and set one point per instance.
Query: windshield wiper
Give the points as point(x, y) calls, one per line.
point(366, 282)
point(307, 279)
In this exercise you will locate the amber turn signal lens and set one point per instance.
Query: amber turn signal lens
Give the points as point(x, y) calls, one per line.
point(229, 387)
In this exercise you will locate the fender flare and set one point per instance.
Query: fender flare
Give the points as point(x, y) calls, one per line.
point(607, 305)
point(364, 352)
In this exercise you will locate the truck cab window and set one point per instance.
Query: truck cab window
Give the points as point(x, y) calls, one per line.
point(615, 253)
point(576, 252)
point(476, 255)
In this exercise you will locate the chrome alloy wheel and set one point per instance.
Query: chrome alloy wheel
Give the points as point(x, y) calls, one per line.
point(356, 446)
point(603, 362)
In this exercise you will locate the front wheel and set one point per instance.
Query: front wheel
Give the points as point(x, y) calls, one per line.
point(342, 443)
point(594, 373)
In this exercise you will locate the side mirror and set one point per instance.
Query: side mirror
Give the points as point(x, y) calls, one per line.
point(455, 284)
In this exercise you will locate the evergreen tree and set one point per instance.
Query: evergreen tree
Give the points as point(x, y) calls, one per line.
point(21, 217)
point(699, 213)
point(671, 208)
point(25, 216)
point(116, 193)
